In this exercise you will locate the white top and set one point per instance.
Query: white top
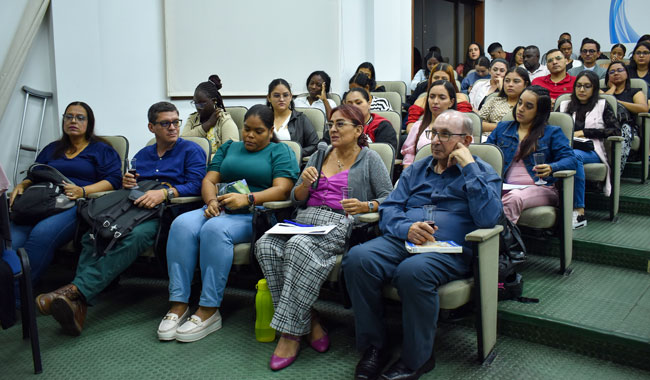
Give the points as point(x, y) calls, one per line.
point(479, 90)
point(283, 133)
point(417, 78)
point(541, 71)
point(303, 102)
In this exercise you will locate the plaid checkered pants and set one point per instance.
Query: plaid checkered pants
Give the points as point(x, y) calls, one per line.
point(296, 266)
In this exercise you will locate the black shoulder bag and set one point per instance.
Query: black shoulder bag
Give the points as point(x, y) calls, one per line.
point(44, 198)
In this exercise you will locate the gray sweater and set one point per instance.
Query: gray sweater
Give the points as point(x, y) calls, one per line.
point(368, 178)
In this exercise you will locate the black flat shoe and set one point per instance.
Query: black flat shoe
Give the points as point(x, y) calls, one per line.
point(371, 364)
point(399, 371)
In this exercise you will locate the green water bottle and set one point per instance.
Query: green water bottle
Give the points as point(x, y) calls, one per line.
point(264, 313)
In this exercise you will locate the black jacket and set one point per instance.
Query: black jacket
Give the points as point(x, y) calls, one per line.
point(302, 131)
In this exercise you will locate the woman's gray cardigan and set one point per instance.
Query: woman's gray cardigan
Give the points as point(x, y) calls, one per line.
point(368, 178)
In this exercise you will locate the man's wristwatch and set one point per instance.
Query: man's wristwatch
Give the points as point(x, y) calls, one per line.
point(371, 206)
point(170, 194)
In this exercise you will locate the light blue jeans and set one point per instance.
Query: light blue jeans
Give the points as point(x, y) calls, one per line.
point(193, 238)
point(42, 239)
point(579, 187)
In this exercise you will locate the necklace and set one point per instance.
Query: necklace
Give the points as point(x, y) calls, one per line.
point(338, 162)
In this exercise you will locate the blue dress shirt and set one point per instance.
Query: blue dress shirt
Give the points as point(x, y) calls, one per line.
point(466, 198)
point(183, 166)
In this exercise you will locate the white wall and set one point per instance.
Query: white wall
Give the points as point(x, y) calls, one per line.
point(110, 54)
point(528, 22)
point(38, 74)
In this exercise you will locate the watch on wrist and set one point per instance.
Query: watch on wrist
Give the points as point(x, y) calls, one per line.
point(170, 194)
point(371, 206)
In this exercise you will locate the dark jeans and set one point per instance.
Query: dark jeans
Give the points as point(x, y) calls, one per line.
point(367, 267)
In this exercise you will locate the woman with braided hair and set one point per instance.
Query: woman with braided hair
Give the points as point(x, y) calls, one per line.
point(210, 119)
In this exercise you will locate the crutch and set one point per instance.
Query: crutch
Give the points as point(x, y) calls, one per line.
point(37, 94)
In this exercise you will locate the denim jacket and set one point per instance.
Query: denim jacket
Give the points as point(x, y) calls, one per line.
point(553, 144)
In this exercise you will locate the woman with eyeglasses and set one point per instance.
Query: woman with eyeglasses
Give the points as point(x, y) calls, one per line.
point(640, 61)
point(289, 124)
point(616, 54)
point(618, 83)
point(496, 107)
point(89, 162)
point(594, 119)
point(296, 266)
point(210, 119)
point(206, 236)
point(376, 128)
point(440, 97)
point(528, 134)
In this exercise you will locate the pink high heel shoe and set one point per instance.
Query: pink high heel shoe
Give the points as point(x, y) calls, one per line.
point(277, 363)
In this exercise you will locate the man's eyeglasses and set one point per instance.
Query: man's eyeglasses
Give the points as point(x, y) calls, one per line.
point(552, 59)
point(339, 124)
point(586, 86)
point(641, 52)
point(614, 71)
point(588, 51)
point(166, 124)
point(442, 136)
point(69, 117)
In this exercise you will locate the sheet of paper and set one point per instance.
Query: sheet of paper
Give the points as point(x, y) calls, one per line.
point(510, 186)
point(289, 229)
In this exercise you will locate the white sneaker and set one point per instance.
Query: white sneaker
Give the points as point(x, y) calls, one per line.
point(169, 324)
point(194, 328)
point(578, 220)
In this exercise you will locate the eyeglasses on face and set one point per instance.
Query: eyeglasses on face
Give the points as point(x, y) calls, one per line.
point(442, 136)
point(641, 53)
point(588, 51)
point(69, 117)
point(614, 71)
point(166, 124)
point(552, 59)
point(338, 124)
point(197, 105)
point(586, 86)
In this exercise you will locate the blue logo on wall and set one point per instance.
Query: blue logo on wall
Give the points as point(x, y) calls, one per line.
point(620, 30)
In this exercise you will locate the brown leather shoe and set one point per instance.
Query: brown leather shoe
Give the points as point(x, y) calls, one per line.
point(44, 301)
point(70, 311)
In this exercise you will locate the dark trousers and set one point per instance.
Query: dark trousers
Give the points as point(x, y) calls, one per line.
point(95, 273)
point(367, 267)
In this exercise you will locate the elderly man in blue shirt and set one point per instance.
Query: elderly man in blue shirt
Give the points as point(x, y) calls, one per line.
point(172, 161)
point(467, 194)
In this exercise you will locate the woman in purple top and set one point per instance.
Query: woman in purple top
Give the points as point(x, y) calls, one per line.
point(297, 266)
point(84, 159)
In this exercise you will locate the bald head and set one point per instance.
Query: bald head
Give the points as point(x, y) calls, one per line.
point(455, 122)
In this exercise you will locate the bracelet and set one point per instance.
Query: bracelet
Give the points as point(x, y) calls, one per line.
point(165, 193)
point(84, 192)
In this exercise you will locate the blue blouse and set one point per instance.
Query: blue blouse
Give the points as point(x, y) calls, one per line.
point(553, 144)
point(98, 161)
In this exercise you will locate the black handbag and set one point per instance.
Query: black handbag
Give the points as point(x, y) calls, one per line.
point(44, 198)
point(584, 145)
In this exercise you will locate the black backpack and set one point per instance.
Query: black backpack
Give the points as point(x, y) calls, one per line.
point(44, 198)
point(112, 216)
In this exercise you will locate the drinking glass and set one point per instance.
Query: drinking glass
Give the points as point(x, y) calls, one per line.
point(429, 215)
point(133, 171)
point(539, 159)
point(347, 194)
